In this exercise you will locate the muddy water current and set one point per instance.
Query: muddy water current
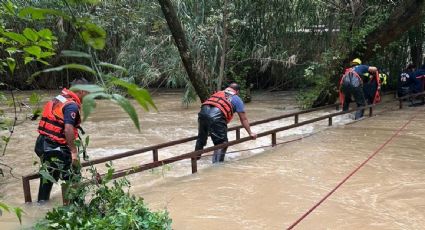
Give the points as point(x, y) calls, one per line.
point(261, 188)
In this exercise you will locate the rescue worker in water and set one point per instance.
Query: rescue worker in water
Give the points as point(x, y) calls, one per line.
point(58, 129)
point(215, 114)
point(351, 84)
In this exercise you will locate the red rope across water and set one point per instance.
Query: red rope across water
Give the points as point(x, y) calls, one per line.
point(352, 173)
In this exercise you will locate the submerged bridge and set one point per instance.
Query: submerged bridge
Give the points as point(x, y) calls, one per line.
point(155, 150)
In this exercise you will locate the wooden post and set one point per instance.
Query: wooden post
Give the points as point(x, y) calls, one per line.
point(27, 189)
point(370, 111)
point(296, 119)
point(155, 155)
point(194, 163)
point(273, 139)
point(400, 105)
point(330, 121)
point(238, 134)
point(64, 189)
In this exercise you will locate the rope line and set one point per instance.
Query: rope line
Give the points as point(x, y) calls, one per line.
point(263, 146)
point(352, 173)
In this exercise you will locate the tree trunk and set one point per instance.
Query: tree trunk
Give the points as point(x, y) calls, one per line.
point(416, 39)
point(223, 48)
point(402, 19)
point(185, 54)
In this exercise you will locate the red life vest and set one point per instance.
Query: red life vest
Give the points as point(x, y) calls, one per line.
point(346, 72)
point(221, 100)
point(377, 97)
point(52, 120)
point(421, 79)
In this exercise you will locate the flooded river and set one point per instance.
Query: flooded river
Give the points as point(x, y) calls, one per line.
point(263, 188)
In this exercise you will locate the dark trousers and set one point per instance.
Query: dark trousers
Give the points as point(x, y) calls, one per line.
point(56, 160)
point(369, 90)
point(357, 93)
point(211, 121)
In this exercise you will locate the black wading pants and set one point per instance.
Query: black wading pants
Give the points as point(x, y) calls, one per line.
point(211, 121)
point(352, 86)
point(56, 159)
point(369, 90)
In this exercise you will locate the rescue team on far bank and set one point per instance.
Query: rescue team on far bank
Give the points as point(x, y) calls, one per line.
point(58, 127)
point(364, 83)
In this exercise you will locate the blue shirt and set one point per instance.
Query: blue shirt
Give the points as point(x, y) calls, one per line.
point(237, 104)
point(415, 83)
point(71, 114)
point(361, 69)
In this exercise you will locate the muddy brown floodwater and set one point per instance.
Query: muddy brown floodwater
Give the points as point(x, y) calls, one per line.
point(263, 188)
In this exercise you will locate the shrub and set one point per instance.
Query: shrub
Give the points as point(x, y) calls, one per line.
point(108, 207)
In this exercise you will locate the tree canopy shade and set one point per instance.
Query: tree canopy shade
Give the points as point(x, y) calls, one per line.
point(203, 45)
point(407, 15)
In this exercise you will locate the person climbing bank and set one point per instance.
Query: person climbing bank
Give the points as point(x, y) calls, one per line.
point(215, 114)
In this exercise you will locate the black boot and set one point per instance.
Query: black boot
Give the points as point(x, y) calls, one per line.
point(44, 190)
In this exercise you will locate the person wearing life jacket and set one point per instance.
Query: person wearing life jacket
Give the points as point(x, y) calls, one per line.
point(58, 129)
point(351, 84)
point(372, 85)
point(418, 80)
point(215, 114)
point(383, 77)
point(406, 81)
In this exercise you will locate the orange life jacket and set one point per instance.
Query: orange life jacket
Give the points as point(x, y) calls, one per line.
point(346, 72)
point(52, 120)
point(221, 100)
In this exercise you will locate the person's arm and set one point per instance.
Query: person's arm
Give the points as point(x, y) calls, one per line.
point(372, 69)
point(71, 113)
point(245, 124)
point(70, 139)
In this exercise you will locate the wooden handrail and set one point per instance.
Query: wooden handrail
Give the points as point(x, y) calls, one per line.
point(193, 155)
point(184, 140)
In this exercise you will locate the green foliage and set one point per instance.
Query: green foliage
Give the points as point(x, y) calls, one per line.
point(18, 211)
point(189, 95)
point(116, 67)
point(240, 78)
point(104, 206)
point(40, 14)
point(4, 207)
point(100, 203)
point(316, 79)
point(141, 95)
point(30, 46)
point(11, 63)
point(67, 66)
point(78, 2)
point(35, 99)
point(127, 107)
point(76, 54)
point(120, 210)
point(94, 36)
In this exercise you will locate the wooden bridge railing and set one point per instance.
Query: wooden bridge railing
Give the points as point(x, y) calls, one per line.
point(193, 155)
point(155, 148)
